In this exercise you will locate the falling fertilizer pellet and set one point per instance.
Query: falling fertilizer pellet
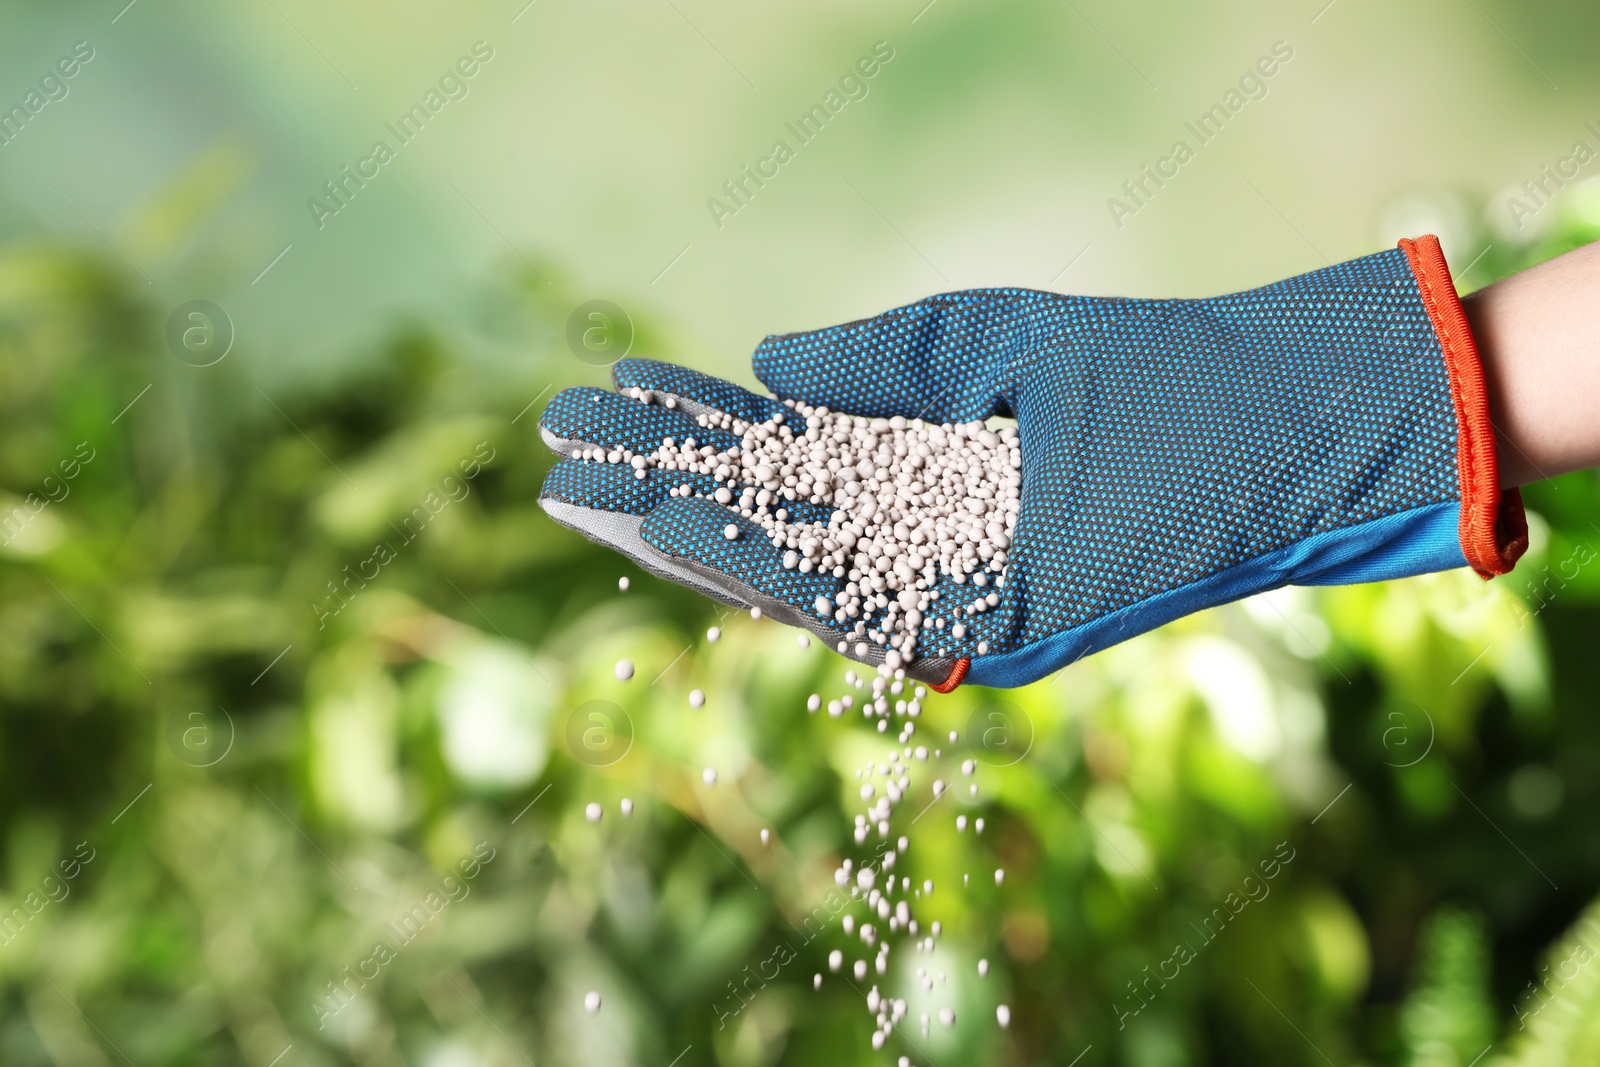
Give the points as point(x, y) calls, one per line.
point(591, 1002)
point(999, 876)
point(627, 807)
point(622, 584)
point(593, 812)
point(913, 553)
point(624, 669)
point(1002, 1015)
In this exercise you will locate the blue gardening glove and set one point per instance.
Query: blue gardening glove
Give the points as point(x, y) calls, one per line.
point(1176, 454)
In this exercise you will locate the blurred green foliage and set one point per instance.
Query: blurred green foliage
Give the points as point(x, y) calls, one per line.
point(279, 667)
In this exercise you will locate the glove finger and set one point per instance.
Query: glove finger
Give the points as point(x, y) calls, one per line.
point(617, 486)
point(695, 393)
point(695, 531)
point(948, 358)
point(692, 534)
point(586, 417)
point(607, 503)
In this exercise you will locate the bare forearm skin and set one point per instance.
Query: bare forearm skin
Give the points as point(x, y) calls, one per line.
point(1538, 333)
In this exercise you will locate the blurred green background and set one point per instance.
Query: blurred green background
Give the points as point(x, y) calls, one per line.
point(243, 744)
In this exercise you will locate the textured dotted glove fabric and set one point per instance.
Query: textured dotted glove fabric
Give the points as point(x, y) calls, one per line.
point(1176, 454)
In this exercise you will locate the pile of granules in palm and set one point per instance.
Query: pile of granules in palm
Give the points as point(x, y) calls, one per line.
point(913, 502)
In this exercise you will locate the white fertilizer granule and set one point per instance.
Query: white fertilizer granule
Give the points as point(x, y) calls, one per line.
point(914, 502)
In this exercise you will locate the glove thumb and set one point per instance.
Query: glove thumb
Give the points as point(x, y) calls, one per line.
point(947, 358)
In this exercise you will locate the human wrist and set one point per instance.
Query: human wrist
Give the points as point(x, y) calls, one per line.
point(1538, 333)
